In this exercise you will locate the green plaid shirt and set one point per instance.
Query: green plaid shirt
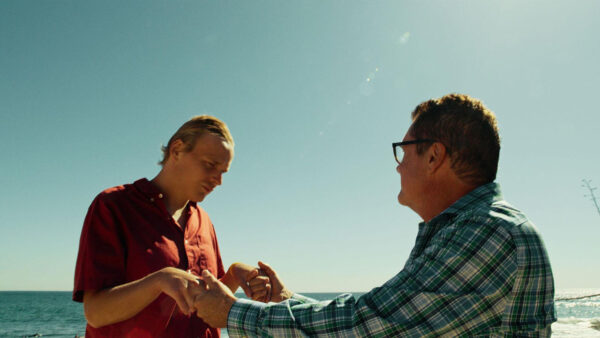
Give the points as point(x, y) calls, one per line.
point(477, 269)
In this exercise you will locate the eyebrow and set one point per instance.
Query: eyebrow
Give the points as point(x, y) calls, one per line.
point(217, 163)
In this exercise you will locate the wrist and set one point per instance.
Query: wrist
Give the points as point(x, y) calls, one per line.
point(229, 302)
point(230, 279)
point(157, 279)
point(231, 271)
point(286, 294)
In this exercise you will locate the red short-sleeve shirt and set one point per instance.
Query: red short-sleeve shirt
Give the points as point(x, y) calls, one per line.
point(128, 234)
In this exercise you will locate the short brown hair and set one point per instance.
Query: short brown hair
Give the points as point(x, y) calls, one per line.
point(467, 129)
point(197, 126)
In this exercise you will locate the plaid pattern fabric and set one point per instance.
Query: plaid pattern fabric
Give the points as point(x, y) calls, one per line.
point(478, 269)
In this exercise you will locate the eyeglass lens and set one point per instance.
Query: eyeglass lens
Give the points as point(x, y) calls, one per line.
point(399, 153)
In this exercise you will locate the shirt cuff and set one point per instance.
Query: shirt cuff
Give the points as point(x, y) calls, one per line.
point(302, 299)
point(243, 317)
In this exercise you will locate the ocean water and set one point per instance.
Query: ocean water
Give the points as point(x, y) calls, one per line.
point(577, 317)
point(54, 314)
point(51, 314)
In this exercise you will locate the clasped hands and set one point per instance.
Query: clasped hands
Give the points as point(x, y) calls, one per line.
point(212, 299)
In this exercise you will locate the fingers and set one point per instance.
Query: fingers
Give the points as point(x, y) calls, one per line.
point(252, 274)
point(260, 287)
point(195, 289)
point(209, 279)
point(266, 268)
point(179, 285)
point(269, 295)
point(262, 295)
point(278, 290)
point(243, 273)
point(259, 281)
point(201, 284)
point(246, 288)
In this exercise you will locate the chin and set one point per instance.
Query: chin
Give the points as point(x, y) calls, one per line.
point(401, 198)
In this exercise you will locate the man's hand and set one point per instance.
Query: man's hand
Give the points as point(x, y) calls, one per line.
point(278, 291)
point(112, 305)
point(214, 301)
point(260, 287)
point(179, 285)
point(254, 282)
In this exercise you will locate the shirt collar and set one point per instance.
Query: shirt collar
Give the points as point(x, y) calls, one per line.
point(151, 192)
point(147, 188)
point(483, 195)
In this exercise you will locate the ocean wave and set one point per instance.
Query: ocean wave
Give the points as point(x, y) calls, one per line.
point(568, 293)
point(576, 327)
point(577, 321)
point(578, 304)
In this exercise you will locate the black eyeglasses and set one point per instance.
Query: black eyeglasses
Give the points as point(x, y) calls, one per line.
point(405, 143)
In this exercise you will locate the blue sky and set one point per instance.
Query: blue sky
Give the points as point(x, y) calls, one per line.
point(314, 93)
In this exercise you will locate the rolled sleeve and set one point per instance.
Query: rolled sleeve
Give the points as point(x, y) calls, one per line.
point(302, 299)
point(243, 318)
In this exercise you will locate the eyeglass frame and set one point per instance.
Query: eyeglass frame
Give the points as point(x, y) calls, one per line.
point(406, 143)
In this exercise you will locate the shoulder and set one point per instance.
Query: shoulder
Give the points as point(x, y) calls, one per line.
point(112, 200)
point(504, 221)
point(506, 214)
point(114, 194)
point(513, 220)
point(491, 228)
point(497, 215)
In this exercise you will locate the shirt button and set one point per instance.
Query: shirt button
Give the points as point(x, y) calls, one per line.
point(160, 195)
point(151, 199)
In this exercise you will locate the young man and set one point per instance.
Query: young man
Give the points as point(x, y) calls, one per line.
point(478, 268)
point(144, 244)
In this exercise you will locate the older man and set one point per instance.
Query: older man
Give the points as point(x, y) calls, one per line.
point(478, 268)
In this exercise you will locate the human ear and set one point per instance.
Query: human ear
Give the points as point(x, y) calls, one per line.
point(437, 155)
point(176, 148)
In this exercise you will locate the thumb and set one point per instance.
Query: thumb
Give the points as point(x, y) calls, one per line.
point(267, 269)
point(209, 279)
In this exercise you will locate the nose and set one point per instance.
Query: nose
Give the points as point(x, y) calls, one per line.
point(217, 179)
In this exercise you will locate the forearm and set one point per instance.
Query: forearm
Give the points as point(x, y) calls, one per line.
point(387, 310)
point(297, 316)
point(367, 316)
point(230, 280)
point(112, 305)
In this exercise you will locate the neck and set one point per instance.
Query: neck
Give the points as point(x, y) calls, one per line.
point(441, 196)
point(174, 201)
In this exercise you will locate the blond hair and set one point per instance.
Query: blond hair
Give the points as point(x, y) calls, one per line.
point(197, 126)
